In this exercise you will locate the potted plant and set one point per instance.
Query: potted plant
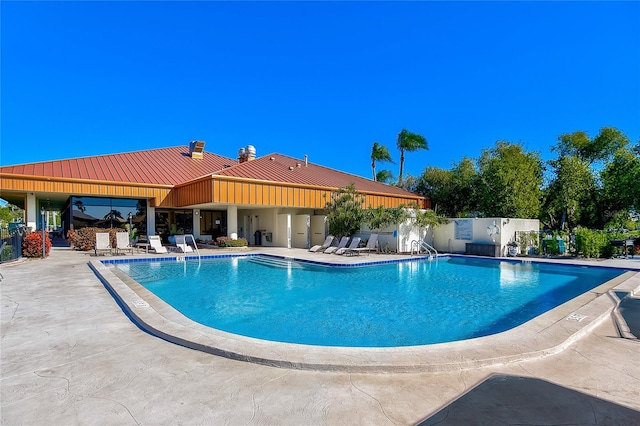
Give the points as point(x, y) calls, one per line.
point(133, 233)
point(512, 247)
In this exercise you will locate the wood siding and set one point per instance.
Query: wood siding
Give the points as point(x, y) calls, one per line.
point(226, 190)
point(216, 189)
point(86, 188)
point(197, 192)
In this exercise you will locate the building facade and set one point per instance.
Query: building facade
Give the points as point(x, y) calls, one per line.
point(273, 200)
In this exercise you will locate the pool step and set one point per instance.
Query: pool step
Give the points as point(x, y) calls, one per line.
point(275, 262)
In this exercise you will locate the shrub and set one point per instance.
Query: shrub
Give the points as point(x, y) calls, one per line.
point(553, 247)
point(593, 243)
point(7, 253)
point(32, 244)
point(228, 242)
point(84, 239)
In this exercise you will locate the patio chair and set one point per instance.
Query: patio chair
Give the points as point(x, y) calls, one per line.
point(372, 245)
point(342, 244)
point(155, 244)
point(355, 241)
point(123, 242)
point(103, 242)
point(324, 246)
point(181, 244)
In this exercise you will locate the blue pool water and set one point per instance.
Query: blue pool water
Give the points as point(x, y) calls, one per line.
point(400, 304)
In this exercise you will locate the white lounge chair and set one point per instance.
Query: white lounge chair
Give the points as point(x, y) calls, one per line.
point(103, 242)
point(343, 243)
point(372, 245)
point(123, 242)
point(355, 241)
point(324, 246)
point(181, 244)
point(155, 244)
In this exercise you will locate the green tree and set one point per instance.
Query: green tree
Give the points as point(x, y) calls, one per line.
point(437, 184)
point(408, 141)
point(379, 153)
point(601, 148)
point(10, 213)
point(425, 219)
point(384, 176)
point(345, 212)
point(382, 217)
point(571, 195)
point(409, 183)
point(464, 195)
point(621, 182)
point(452, 192)
point(509, 181)
point(5, 215)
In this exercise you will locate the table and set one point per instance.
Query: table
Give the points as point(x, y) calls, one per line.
point(141, 245)
point(624, 245)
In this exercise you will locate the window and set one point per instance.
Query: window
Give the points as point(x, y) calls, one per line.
point(108, 213)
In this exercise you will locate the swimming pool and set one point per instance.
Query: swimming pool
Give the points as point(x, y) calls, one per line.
point(399, 304)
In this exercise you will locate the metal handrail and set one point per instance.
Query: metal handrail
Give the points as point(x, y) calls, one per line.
point(195, 245)
point(425, 246)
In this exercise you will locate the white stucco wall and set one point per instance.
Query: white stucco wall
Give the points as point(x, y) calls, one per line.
point(453, 236)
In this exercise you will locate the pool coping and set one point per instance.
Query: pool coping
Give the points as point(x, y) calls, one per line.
point(544, 335)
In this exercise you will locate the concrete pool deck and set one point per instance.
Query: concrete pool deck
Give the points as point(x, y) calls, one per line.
point(70, 356)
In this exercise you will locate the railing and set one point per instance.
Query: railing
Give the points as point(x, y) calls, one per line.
point(195, 245)
point(13, 248)
point(421, 245)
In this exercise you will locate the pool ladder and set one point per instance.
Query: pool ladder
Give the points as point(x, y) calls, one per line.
point(195, 245)
point(421, 245)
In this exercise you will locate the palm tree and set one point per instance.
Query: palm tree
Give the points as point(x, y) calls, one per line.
point(408, 141)
point(379, 153)
point(384, 176)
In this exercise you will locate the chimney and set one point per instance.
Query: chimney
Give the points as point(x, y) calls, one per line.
point(196, 149)
point(306, 160)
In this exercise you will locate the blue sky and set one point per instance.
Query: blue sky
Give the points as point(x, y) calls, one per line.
point(325, 79)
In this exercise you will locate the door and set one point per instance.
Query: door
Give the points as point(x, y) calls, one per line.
point(300, 230)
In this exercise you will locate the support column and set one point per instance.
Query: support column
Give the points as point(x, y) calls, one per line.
point(32, 212)
point(232, 220)
point(151, 219)
point(196, 223)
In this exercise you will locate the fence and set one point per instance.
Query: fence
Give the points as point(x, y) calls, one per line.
point(11, 244)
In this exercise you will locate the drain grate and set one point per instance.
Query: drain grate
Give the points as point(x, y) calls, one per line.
point(140, 303)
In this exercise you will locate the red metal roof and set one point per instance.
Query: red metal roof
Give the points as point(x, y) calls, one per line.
point(163, 166)
point(281, 168)
point(173, 166)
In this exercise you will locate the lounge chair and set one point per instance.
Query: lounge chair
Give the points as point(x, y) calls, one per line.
point(103, 242)
point(372, 245)
point(182, 245)
point(324, 246)
point(342, 244)
point(355, 241)
point(155, 244)
point(123, 242)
